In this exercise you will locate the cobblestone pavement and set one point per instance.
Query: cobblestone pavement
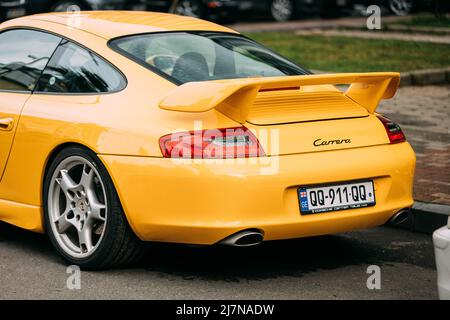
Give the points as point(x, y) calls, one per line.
point(424, 114)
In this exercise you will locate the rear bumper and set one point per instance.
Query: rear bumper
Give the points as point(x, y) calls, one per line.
point(203, 203)
point(441, 239)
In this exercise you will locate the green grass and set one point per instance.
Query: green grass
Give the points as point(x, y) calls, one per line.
point(340, 54)
point(427, 21)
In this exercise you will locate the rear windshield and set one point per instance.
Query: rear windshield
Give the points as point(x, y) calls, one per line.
point(187, 56)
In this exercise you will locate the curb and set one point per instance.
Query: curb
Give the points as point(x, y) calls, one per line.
point(426, 217)
point(417, 78)
point(417, 29)
point(425, 77)
point(346, 22)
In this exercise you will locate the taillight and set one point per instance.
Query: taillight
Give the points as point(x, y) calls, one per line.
point(211, 144)
point(393, 130)
point(214, 4)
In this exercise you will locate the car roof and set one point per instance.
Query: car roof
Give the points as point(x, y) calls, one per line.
point(112, 24)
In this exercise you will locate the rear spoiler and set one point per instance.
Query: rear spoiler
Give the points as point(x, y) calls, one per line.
point(235, 97)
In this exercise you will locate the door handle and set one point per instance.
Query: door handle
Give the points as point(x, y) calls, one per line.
point(6, 124)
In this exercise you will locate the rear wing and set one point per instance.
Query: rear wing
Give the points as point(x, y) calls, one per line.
point(236, 97)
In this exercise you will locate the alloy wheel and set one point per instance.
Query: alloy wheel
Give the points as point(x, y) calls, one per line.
point(401, 7)
point(282, 10)
point(77, 206)
point(68, 6)
point(188, 8)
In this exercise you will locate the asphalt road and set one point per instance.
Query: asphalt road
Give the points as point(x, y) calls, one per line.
point(329, 267)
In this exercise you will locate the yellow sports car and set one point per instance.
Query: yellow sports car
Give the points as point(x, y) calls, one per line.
point(123, 127)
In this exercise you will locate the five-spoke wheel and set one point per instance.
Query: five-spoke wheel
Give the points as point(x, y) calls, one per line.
point(401, 7)
point(190, 8)
point(83, 215)
point(282, 10)
point(77, 206)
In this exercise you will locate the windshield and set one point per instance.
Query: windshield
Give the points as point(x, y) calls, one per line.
point(200, 56)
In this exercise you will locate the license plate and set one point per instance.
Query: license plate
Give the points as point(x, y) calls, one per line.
point(336, 197)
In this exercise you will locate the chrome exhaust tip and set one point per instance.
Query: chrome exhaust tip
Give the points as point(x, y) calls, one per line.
point(246, 238)
point(400, 217)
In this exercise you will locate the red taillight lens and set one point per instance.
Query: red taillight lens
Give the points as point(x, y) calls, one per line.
point(393, 130)
point(211, 144)
point(213, 4)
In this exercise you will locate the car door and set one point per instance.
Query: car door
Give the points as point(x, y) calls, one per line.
point(23, 56)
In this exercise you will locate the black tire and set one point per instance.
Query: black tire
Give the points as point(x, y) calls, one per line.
point(65, 5)
point(282, 10)
point(119, 245)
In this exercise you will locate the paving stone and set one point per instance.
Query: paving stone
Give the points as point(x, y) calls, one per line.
point(424, 114)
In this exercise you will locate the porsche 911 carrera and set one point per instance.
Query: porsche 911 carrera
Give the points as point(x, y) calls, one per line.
point(120, 128)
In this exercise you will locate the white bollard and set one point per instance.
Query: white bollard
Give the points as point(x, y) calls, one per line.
point(441, 239)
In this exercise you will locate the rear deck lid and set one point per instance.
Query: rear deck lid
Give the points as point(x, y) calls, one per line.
point(302, 105)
